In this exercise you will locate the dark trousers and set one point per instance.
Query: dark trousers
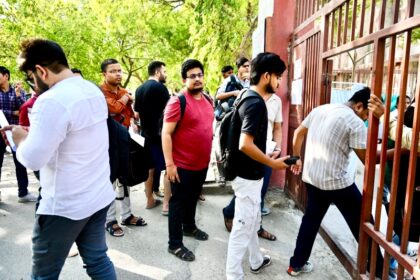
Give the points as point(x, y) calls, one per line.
point(229, 210)
point(53, 237)
point(182, 204)
point(348, 202)
point(21, 175)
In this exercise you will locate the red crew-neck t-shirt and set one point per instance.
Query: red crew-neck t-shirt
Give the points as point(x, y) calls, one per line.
point(191, 141)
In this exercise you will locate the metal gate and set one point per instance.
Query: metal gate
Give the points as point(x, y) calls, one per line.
point(323, 31)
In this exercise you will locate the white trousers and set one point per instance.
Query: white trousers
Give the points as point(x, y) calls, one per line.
point(246, 224)
point(124, 204)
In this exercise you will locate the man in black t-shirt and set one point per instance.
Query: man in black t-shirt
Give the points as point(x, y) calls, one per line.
point(266, 71)
point(151, 98)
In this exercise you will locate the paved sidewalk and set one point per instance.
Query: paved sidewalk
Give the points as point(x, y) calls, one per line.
point(142, 252)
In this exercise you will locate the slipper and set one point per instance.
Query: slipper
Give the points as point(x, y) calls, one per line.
point(183, 253)
point(114, 229)
point(157, 203)
point(201, 197)
point(165, 212)
point(197, 234)
point(159, 194)
point(139, 223)
point(266, 235)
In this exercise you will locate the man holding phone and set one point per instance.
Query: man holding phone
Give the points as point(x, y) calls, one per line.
point(266, 71)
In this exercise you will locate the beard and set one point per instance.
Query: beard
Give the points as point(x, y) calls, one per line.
point(41, 86)
point(269, 89)
point(195, 90)
point(162, 79)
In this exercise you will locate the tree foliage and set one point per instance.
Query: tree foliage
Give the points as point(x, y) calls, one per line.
point(135, 32)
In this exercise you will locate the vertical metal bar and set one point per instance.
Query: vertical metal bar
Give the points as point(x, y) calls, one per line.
point(410, 8)
point(346, 22)
point(332, 29)
point(326, 32)
point(362, 18)
point(411, 174)
point(372, 16)
point(382, 15)
point(395, 10)
point(370, 160)
point(397, 153)
point(340, 12)
point(353, 23)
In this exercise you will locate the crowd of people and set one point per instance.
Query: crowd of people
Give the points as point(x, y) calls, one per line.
point(77, 201)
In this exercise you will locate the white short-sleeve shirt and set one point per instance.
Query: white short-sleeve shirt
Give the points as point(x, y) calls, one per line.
point(274, 114)
point(333, 131)
point(68, 143)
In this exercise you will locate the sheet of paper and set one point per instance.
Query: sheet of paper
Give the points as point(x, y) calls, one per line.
point(297, 92)
point(136, 137)
point(3, 123)
point(270, 146)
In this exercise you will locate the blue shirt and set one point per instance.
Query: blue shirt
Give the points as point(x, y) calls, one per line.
point(9, 102)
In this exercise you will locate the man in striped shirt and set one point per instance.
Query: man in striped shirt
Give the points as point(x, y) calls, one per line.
point(332, 131)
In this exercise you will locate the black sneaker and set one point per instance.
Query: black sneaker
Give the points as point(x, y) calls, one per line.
point(266, 262)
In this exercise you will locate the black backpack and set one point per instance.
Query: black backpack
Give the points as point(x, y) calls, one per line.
point(127, 159)
point(225, 106)
point(229, 133)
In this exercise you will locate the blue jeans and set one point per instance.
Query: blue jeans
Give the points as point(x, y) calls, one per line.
point(348, 202)
point(183, 203)
point(53, 237)
point(21, 175)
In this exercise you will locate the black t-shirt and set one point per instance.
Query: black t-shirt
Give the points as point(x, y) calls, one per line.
point(151, 99)
point(253, 117)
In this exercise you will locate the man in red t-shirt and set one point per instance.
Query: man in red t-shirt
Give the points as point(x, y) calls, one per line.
point(186, 143)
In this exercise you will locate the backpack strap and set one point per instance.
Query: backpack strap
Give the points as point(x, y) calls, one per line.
point(182, 103)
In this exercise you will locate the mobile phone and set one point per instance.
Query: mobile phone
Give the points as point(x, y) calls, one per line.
point(291, 160)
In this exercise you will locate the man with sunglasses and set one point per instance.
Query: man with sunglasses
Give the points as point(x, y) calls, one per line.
point(10, 102)
point(186, 143)
point(68, 143)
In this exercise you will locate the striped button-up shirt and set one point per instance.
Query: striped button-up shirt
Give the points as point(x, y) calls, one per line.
point(9, 102)
point(333, 131)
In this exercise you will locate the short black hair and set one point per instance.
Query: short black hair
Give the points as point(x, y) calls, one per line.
point(362, 95)
point(266, 62)
point(154, 66)
point(107, 62)
point(227, 68)
point(4, 71)
point(77, 71)
point(241, 61)
point(190, 64)
point(42, 52)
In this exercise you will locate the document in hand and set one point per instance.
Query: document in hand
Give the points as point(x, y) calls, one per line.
point(3, 123)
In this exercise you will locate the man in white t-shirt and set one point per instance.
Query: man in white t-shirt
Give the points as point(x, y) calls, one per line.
point(68, 143)
point(332, 131)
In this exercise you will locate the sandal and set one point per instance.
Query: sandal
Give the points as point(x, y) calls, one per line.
point(201, 197)
point(198, 234)
point(266, 235)
point(114, 229)
point(157, 203)
point(228, 224)
point(183, 253)
point(140, 222)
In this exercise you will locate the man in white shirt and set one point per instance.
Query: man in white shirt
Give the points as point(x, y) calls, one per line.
point(68, 143)
point(332, 131)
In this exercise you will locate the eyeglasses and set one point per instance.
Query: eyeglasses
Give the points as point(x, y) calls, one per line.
point(195, 76)
point(30, 80)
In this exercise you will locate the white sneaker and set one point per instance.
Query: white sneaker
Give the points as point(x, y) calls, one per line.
point(28, 198)
point(308, 267)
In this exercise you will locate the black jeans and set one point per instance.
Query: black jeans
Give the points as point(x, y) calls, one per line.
point(183, 203)
point(348, 202)
point(21, 175)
